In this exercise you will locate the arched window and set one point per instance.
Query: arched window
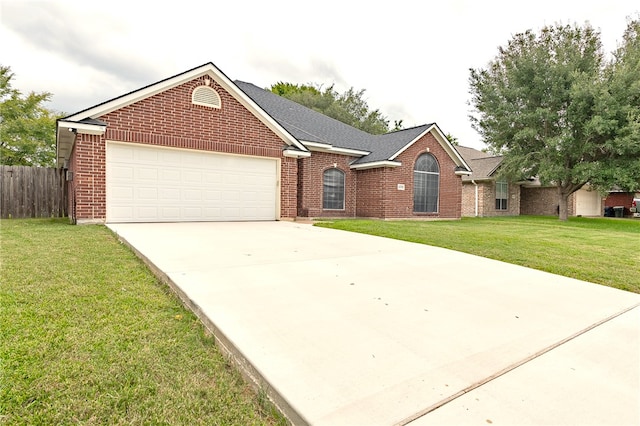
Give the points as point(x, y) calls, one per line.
point(426, 184)
point(333, 189)
point(205, 96)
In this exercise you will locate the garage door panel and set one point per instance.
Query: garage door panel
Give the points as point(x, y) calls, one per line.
point(123, 211)
point(156, 184)
point(192, 177)
point(211, 196)
point(170, 213)
point(146, 155)
point(147, 173)
point(169, 176)
point(193, 195)
point(230, 197)
point(169, 195)
point(211, 177)
point(211, 212)
point(125, 153)
point(228, 212)
point(123, 172)
point(123, 192)
point(145, 212)
point(192, 213)
point(147, 193)
point(250, 198)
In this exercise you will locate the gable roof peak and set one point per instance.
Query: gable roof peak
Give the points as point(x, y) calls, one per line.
point(64, 142)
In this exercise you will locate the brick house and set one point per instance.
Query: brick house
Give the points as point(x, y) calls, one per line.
point(483, 192)
point(618, 198)
point(537, 199)
point(200, 147)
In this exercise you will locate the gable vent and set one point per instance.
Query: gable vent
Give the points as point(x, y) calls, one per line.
point(205, 96)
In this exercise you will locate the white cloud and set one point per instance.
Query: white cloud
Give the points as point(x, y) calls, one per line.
point(412, 58)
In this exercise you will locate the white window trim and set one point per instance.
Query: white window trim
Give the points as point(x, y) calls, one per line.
point(437, 211)
point(506, 198)
point(217, 103)
point(344, 191)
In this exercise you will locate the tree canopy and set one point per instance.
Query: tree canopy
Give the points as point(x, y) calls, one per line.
point(27, 128)
point(349, 107)
point(555, 108)
point(452, 139)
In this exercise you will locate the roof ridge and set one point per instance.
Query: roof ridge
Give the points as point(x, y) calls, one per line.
point(488, 157)
point(299, 105)
point(408, 128)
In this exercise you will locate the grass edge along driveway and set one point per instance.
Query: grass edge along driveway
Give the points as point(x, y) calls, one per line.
point(599, 250)
point(88, 335)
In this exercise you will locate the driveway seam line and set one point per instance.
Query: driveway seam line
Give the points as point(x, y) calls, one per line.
point(509, 368)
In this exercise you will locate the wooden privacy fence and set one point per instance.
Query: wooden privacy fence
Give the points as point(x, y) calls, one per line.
point(32, 192)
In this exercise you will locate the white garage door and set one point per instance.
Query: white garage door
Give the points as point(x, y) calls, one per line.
point(588, 203)
point(154, 184)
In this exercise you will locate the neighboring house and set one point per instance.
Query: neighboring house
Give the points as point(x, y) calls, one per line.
point(537, 199)
point(200, 147)
point(618, 199)
point(483, 193)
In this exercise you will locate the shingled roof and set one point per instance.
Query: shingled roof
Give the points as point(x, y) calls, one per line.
point(482, 164)
point(308, 125)
point(301, 128)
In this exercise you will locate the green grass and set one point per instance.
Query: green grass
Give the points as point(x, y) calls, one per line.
point(89, 336)
point(600, 250)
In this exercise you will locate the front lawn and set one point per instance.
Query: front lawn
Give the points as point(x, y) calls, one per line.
point(600, 250)
point(89, 336)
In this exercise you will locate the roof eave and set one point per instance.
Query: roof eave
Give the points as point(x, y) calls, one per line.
point(294, 153)
point(442, 140)
point(376, 164)
point(325, 147)
point(469, 178)
point(66, 131)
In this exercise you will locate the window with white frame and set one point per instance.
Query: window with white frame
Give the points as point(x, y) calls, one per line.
point(502, 194)
point(426, 184)
point(333, 189)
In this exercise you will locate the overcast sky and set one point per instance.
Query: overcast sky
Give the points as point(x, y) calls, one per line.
point(411, 57)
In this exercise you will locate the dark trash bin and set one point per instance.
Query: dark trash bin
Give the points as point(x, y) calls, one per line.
point(608, 211)
point(619, 211)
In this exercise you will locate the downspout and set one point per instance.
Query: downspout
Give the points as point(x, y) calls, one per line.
point(476, 205)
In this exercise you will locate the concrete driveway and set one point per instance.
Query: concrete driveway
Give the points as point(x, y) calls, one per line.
point(350, 329)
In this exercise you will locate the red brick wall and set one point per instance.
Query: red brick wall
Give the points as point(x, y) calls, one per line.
point(170, 119)
point(310, 186)
point(539, 201)
point(374, 192)
point(87, 189)
point(543, 201)
point(469, 199)
point(288, 183)
point(370, 193)
point(623, 199)
point(489, 201)
point(399, 204)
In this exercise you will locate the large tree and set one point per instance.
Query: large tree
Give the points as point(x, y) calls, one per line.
point(349, 107)
point(27, 128)
point(556, 109)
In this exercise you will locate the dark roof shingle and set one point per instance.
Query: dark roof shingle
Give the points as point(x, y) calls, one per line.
point(311, 126)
